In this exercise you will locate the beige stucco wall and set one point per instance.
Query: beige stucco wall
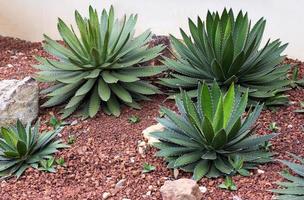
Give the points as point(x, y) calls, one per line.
point(29, 19)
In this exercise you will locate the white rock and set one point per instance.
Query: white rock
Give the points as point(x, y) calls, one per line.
point(142, 147)
point(181, 189)
point(18, 100)
point(150, 129)
point(261, 171)
point(132, 160)
point(148, 193)
point(289, 126)
point(120, 184)
point(142, 144)
point(175, 173)
point(10, 65)
point(74, 122)
point(106, 195)
point(236, 198)
point(203, 189)
point(141, 150)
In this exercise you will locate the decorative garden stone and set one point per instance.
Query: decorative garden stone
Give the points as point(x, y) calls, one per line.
point(181, 189)
point(150, 129)
point(18, 100)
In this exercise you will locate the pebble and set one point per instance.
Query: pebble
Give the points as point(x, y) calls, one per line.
point(203, 189)
point(120, 183)
point(10, 65)
point(148, 193)
point(141, 151)
point(106, 195)
point(74, 122)
point(142, 144)
point(289, 126)
point(261, 171)
point(236, 198)
point(175, 173)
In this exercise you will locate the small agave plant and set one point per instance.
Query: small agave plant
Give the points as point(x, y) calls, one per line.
point(205, 137)
point(227, 49)
point(99, 68)
point(21, 147)
point(293, 188)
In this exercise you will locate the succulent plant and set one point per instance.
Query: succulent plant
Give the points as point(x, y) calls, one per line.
point(295, 80)
point(227, 49)
point(208, 137)
point(293, 189)
point(100, 67)
point(21, 147)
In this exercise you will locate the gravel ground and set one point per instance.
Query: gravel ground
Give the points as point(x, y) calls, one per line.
point(105, 151)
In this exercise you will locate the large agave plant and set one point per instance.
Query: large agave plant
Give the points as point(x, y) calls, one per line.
point(293, 189)
point(227, 49)
point(207, 136)
point(99, 67)
point(21, 147)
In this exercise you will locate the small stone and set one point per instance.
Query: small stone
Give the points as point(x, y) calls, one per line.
point(10, 65)
point(120, 184)
point(148, 193)
point(261, 171)
point(142, 144)
point(289, 126)
point(181, 189)
point(141, 151)
point(175, 173)
point(132, 160)
point(236, 198)
point(106, 195)
point(203, 189)
point(150, 129)
point(142, 147)
point(74, 123)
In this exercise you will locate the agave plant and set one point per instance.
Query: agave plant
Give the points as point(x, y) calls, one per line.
point(100, 67)
point(21, 147)
point(208, 136)
point(227, 49)
point(294, 187)
point(295, 80)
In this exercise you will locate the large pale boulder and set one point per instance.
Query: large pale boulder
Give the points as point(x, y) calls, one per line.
point(18, 100)
point(181, 189)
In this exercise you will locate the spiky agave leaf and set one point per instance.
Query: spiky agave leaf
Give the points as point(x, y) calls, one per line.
point(99, 67)
point(293, 188)
point(207, 134)
point(227, 49)
point(22, 146)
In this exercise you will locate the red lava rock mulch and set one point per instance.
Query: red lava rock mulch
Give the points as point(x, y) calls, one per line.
point(105, 150)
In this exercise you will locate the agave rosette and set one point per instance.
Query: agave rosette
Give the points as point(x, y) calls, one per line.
point(205, 137)
point(99, 68)
point(21, 147)
point(293, 188)
point(227, 49)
